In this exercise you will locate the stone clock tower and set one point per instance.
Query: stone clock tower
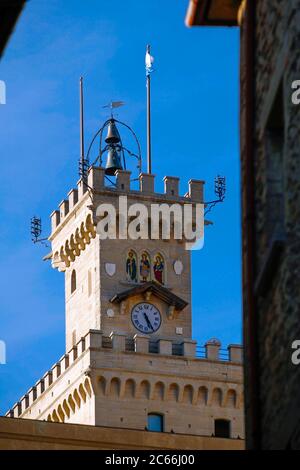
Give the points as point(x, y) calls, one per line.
point(130, 360)
point(116, 285)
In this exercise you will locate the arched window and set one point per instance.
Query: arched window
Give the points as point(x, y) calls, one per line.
point(222, 428)
point(159, 268)
point(73, 281)
point(155, 422)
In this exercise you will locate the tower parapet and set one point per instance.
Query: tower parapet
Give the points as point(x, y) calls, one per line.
point(96, 183)
point(69, 388)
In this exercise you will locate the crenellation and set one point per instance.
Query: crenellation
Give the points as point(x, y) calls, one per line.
point(141, 343)
point(123, 180)
point(56, 371)
point(40, 387)
point(96, 178)
point(48, 379)
point(96, 182)
point(81, 346)
point(55, 219)
point(81, 188)
point(64, 362)
point(196, 190)
point(165, 346)
point(32, 395)
point(93, 339)
point(189, 347)
point(72, 198)
point(147, 183)
point(118, 341)
point(17, 409)
point(64, 208)
point(212, 348)
point(171, 186)
point(24, 403)
point(63, 408)
point(73, 354)
point(235, 353)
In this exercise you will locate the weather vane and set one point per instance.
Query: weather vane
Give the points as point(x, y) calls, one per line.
point(113, 145)
point(112, 105)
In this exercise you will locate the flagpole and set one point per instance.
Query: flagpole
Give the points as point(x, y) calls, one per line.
point(82, 159)
point(148, 85)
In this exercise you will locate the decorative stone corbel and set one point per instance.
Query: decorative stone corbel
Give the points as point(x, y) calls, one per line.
point(64, 257)
point(123, 307)
point(90, 226)
point(79, 240)
point(74, 246)
point(171, 312)
point(69, 251)
point(148, 295)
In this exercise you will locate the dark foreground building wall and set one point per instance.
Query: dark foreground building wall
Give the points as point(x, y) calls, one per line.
point(9, 14)
point(270, 166)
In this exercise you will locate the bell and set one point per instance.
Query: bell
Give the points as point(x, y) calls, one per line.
point(113, 162)
point(112, 133)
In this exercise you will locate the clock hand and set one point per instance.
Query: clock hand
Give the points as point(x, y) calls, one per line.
point(148, 321)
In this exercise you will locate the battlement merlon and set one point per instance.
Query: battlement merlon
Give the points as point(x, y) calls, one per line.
point(96, 184)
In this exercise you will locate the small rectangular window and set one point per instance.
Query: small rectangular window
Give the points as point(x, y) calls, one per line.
point(222, 428)
point(155, 422)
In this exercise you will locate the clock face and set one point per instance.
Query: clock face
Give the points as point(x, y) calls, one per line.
point(146, 318)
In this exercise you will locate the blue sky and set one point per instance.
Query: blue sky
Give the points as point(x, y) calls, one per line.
point(195, 135)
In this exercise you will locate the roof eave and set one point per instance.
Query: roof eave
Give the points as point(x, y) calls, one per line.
point(198, 15)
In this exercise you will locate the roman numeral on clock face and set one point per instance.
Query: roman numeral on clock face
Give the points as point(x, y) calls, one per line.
point(146, 317)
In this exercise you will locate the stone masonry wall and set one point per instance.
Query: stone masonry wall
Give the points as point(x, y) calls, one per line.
point(277, 60)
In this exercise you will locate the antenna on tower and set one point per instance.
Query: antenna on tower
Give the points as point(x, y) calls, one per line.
point(83, 162)
point(36, 230)
point(220, 190)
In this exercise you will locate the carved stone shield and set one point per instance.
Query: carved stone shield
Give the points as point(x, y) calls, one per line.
point(178, 267)
point(110, 268)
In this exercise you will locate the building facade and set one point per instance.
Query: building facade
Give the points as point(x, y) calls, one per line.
point(270, 162)
point(130, 358)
